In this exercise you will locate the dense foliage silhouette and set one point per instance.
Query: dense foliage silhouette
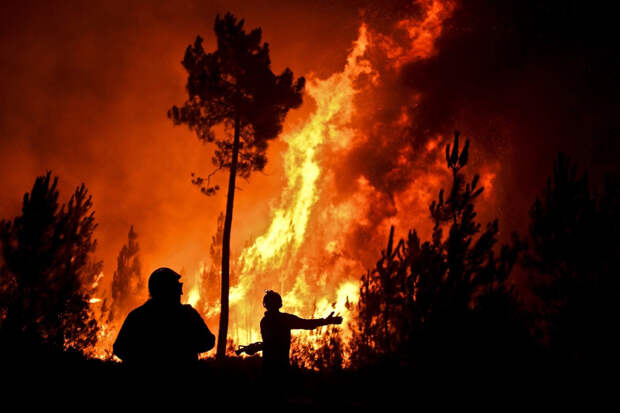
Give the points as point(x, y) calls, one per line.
point(574, 259)
point(446, 301)
point(48, 272)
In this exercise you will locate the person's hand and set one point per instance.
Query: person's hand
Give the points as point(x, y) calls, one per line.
point(331, 319)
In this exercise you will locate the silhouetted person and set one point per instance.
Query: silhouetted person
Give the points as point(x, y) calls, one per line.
point(163, 333)
point(275, 328)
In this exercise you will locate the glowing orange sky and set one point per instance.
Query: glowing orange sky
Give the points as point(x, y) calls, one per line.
point(85, 91)
point(86, 86)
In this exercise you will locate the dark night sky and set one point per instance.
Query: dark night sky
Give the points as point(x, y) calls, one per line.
point(86, 85)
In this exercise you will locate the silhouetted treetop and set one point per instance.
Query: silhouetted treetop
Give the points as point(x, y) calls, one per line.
point(235, 83)
point(424, 301)
point(459, 204)
point(127, 283)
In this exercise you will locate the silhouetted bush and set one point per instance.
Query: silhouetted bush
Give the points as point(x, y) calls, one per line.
point(323, 350)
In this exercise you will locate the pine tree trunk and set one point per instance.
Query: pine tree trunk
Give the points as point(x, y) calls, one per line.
point(223, 330)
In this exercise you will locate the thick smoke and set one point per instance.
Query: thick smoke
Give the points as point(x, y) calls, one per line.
point(522, 79)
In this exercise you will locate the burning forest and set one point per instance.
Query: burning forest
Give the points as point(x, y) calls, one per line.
point(435, 174)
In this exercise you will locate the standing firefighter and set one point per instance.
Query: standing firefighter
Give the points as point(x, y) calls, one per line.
point(275, 328)
point(163, 333)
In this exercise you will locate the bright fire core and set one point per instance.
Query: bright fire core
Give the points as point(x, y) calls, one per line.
point(306, 253)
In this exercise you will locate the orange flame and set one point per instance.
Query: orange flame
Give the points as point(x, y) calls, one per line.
point(275, 260)
point(302, 254)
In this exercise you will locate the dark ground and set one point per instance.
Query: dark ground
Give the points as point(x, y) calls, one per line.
point(72, 382)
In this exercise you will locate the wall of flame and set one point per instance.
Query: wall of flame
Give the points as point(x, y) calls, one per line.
point(345, 169)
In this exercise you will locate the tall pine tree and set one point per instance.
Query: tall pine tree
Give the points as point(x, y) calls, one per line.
point(234, 87)
point(127, 283)
point(49, 272)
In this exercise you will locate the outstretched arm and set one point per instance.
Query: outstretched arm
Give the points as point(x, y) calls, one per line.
point(310, 324)
point(331, 319)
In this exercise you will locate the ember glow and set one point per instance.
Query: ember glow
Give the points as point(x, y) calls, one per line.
point(313, 251)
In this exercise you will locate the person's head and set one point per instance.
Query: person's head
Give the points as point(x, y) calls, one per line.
point(272, 301)
point(164, 285)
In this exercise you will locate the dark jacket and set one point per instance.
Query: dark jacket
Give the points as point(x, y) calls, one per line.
point(275, 328)
point(163, 334)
